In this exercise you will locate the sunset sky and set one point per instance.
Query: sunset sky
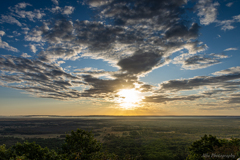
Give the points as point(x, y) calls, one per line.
point(119, 57)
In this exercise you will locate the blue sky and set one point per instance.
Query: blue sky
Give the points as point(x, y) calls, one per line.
point(119, 57)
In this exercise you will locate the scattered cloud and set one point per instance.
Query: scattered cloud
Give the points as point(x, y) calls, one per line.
point(9, 19)
point(140, 36)
point(22, 5)
point(33, 48)
point(68, 10)
point(164, 98)
point(5, 45)
point(229, 4)
point(228, 24)
point(2, 33)
point(25, 55)
point(199, 81)
point(38, 78)
point(190, 62)
point(19, 12)
point(55, 2)
point(207, 11)
point(231, 49)
point(231, 71)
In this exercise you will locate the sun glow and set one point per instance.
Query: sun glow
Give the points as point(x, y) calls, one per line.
point(129, 98)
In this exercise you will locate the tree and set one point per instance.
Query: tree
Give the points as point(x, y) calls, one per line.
point(80, 144)
point(209, 148)
point(27, 151)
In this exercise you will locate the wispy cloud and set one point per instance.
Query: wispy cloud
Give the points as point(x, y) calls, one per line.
point(192, 62)
point(55, 2)
point(9, 19)
point(231, 49)
point(5, 45)
point(229, 4)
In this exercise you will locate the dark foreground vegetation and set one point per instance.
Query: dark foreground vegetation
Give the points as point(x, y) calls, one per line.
point(120, 138)
point(82, 145)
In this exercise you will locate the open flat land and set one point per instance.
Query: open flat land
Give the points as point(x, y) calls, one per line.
point(132, 135)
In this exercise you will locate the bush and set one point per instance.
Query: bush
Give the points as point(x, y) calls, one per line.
point(209, 147)
point(78, 145)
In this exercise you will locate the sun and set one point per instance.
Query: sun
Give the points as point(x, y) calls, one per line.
point(129, 98)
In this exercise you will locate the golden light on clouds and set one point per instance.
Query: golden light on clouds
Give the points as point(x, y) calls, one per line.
point(129, 98)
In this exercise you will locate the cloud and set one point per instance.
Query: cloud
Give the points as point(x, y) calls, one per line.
point(229, 4)
point(55, 2)
point(198, 61)
point(228, 24)
point(155, 31)
point(38, 78)
point(140, 62)
point(222, 88)
point(164, 99)
point(231, 49)
point(5, 45)
point(207, 11)
point(199, 81)
point(237, 18)
point(33, 48)
point(9, 19)
point(2, 33)
point(25, 55)
point(19, 12)
point(22, 5)
point(101, 88)
point(35, 35)
point(231, 71)
point(139, 36)
point(68, 10)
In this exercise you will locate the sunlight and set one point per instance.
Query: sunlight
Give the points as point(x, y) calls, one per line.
point(129, 98)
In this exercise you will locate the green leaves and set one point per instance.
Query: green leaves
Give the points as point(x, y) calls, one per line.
point(27, 151)
point(209, 146)
point(80, 144)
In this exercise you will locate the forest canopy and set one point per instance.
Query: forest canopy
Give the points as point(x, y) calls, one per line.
point(81, 144)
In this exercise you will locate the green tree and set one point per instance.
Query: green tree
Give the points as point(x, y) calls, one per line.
point(80, 145)
point(209, 148)
point(27, 151)
point(202, 147)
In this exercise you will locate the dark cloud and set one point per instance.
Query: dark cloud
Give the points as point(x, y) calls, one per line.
point(100, 86)
point(182, 32)
point(198, 61)
point(131, 12)
point(196, 82)
point(37, 77)
point(137, 36)
point(146, 88)
point(223, 88)
point(62, 31)
point(140, 62)
point(150, 26)
point(164, 98)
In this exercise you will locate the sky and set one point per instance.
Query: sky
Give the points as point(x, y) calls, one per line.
point(120, 57)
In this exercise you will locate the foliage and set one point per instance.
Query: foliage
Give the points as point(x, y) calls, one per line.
point(80, 144)
point(26, 151)
point(144, 144)
point(211, 148)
